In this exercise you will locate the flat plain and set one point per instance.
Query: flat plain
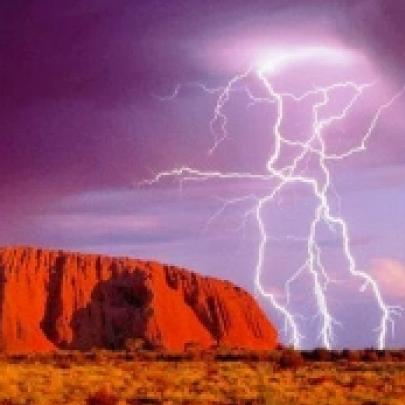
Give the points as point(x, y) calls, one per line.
point(105, 378)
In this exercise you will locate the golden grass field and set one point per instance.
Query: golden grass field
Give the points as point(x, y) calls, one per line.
point(107, 380)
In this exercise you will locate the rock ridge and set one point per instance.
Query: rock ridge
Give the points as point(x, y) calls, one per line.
point(51, 299)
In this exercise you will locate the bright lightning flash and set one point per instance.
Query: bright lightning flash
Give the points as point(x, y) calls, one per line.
point(281, 175)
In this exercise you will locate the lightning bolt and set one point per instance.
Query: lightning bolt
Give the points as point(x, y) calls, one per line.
point(278, 176)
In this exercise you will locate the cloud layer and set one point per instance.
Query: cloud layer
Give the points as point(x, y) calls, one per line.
point(80, 126)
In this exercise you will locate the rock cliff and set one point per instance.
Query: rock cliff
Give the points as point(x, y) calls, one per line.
point(53, 299)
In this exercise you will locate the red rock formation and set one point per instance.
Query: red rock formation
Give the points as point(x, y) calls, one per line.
point(52, 299)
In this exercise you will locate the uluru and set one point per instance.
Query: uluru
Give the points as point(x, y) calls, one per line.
point(53, 300)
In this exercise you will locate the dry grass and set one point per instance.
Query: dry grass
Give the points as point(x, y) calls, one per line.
point(107, 379)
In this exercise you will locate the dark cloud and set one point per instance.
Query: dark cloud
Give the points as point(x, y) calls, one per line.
point(378, 27)
point(77, 77)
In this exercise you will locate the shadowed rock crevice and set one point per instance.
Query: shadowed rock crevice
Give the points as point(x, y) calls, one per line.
point(2, 287)
point(53, 300)
point(204, 297)
point(119, 309)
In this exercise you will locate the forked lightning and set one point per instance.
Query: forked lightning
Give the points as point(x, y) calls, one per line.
point(279, 175)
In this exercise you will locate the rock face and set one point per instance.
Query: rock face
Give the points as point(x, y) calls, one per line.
point(52, 299)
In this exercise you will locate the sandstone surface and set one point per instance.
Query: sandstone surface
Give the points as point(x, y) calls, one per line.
point(57, 300)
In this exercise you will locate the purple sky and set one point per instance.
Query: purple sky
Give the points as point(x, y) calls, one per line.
point(80, 127)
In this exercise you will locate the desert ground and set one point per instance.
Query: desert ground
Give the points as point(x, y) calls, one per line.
point(274, 378)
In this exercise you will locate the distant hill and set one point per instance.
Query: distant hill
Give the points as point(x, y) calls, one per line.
point(54, 299)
